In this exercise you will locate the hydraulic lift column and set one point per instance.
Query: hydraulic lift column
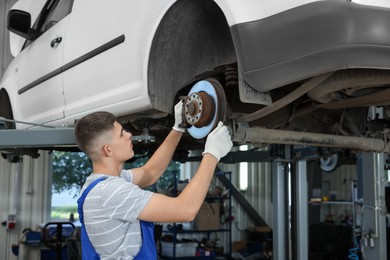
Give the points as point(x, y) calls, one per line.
point(301, 208)
point(290, 208)
point(371, 167)
point(279, 211)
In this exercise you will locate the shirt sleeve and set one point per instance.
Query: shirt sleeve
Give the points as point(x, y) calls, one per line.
point(127, 175)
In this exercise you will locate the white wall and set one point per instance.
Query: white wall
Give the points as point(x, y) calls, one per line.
point(24, 191)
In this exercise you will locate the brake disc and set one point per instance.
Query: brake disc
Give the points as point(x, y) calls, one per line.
point(204, 107)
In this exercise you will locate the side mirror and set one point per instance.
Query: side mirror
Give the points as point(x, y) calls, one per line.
point(19, 22)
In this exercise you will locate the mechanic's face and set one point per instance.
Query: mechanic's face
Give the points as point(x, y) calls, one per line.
point(122, 147)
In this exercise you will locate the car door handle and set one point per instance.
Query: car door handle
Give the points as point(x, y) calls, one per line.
point(55, 41)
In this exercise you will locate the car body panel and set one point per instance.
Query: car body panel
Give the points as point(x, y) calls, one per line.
point(310, 40)
point(379, 3)
point(121, 76)
point(43, 60)
point(236, 12)
point(252, 10)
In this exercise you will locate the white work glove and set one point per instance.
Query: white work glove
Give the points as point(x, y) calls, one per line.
point(219, 142)
point(178, 117)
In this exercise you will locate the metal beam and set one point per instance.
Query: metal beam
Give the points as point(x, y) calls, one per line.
point(298, 153)
point(257, 219)
point(37, 138)
point(238, 156)
point(272, 136)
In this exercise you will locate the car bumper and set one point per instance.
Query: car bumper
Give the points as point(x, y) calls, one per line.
point(312, 39)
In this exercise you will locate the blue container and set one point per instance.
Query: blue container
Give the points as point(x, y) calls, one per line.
point(33, 237)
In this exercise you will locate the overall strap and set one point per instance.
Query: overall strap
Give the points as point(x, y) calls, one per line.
point(87, 250)
point(148, 248)
point(80, 201)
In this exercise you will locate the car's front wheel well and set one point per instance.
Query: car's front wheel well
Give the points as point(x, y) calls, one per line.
point(192, 38)
point(6, 110)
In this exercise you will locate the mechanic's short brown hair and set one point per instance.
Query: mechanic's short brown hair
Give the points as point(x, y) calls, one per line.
point(90, 128)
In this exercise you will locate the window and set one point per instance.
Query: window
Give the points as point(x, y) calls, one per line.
point(61, 9)
point(52, 13)
point(70, 170)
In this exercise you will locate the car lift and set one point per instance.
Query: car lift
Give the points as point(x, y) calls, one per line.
point(288, 162)
point(373, 229)
point(287, 244)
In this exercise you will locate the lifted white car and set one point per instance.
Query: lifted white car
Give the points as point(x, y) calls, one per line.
point(308, 67)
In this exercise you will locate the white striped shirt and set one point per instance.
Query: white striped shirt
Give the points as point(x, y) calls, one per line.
point(111, 210)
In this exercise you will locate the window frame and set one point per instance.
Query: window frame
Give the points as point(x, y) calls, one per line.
point(43, 19)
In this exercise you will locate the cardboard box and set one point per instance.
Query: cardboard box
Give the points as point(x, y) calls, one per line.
point(259, 233)
point(208, 217)
point(239, 246)
point(248, 248)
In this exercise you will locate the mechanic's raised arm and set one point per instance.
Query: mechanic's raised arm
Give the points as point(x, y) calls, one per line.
point(149, 173)
point(162, 208)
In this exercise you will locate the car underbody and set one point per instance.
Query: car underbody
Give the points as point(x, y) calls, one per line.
point(329, 110)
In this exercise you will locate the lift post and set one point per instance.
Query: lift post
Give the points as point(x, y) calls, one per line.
point(301, 209)
point(279, 234)
point(371, 167)
point(290, 199)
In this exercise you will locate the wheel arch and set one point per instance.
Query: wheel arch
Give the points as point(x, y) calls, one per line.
point(192, 38)
point(6, 108)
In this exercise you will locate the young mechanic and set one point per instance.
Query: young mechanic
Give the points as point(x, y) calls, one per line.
point(117, 215)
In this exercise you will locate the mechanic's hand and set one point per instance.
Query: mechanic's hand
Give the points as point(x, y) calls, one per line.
point(219, 142)
point(178, 117)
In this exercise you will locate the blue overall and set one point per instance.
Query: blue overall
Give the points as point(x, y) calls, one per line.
point(148, 247)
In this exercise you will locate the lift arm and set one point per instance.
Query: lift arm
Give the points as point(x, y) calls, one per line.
point(37, 138)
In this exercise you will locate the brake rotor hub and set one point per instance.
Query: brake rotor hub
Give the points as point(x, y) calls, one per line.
point(199, 109)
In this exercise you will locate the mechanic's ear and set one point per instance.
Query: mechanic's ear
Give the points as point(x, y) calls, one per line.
point(106, 150)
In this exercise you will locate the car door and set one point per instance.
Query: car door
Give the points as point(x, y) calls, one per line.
point(106, 55)
point(40, 79)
